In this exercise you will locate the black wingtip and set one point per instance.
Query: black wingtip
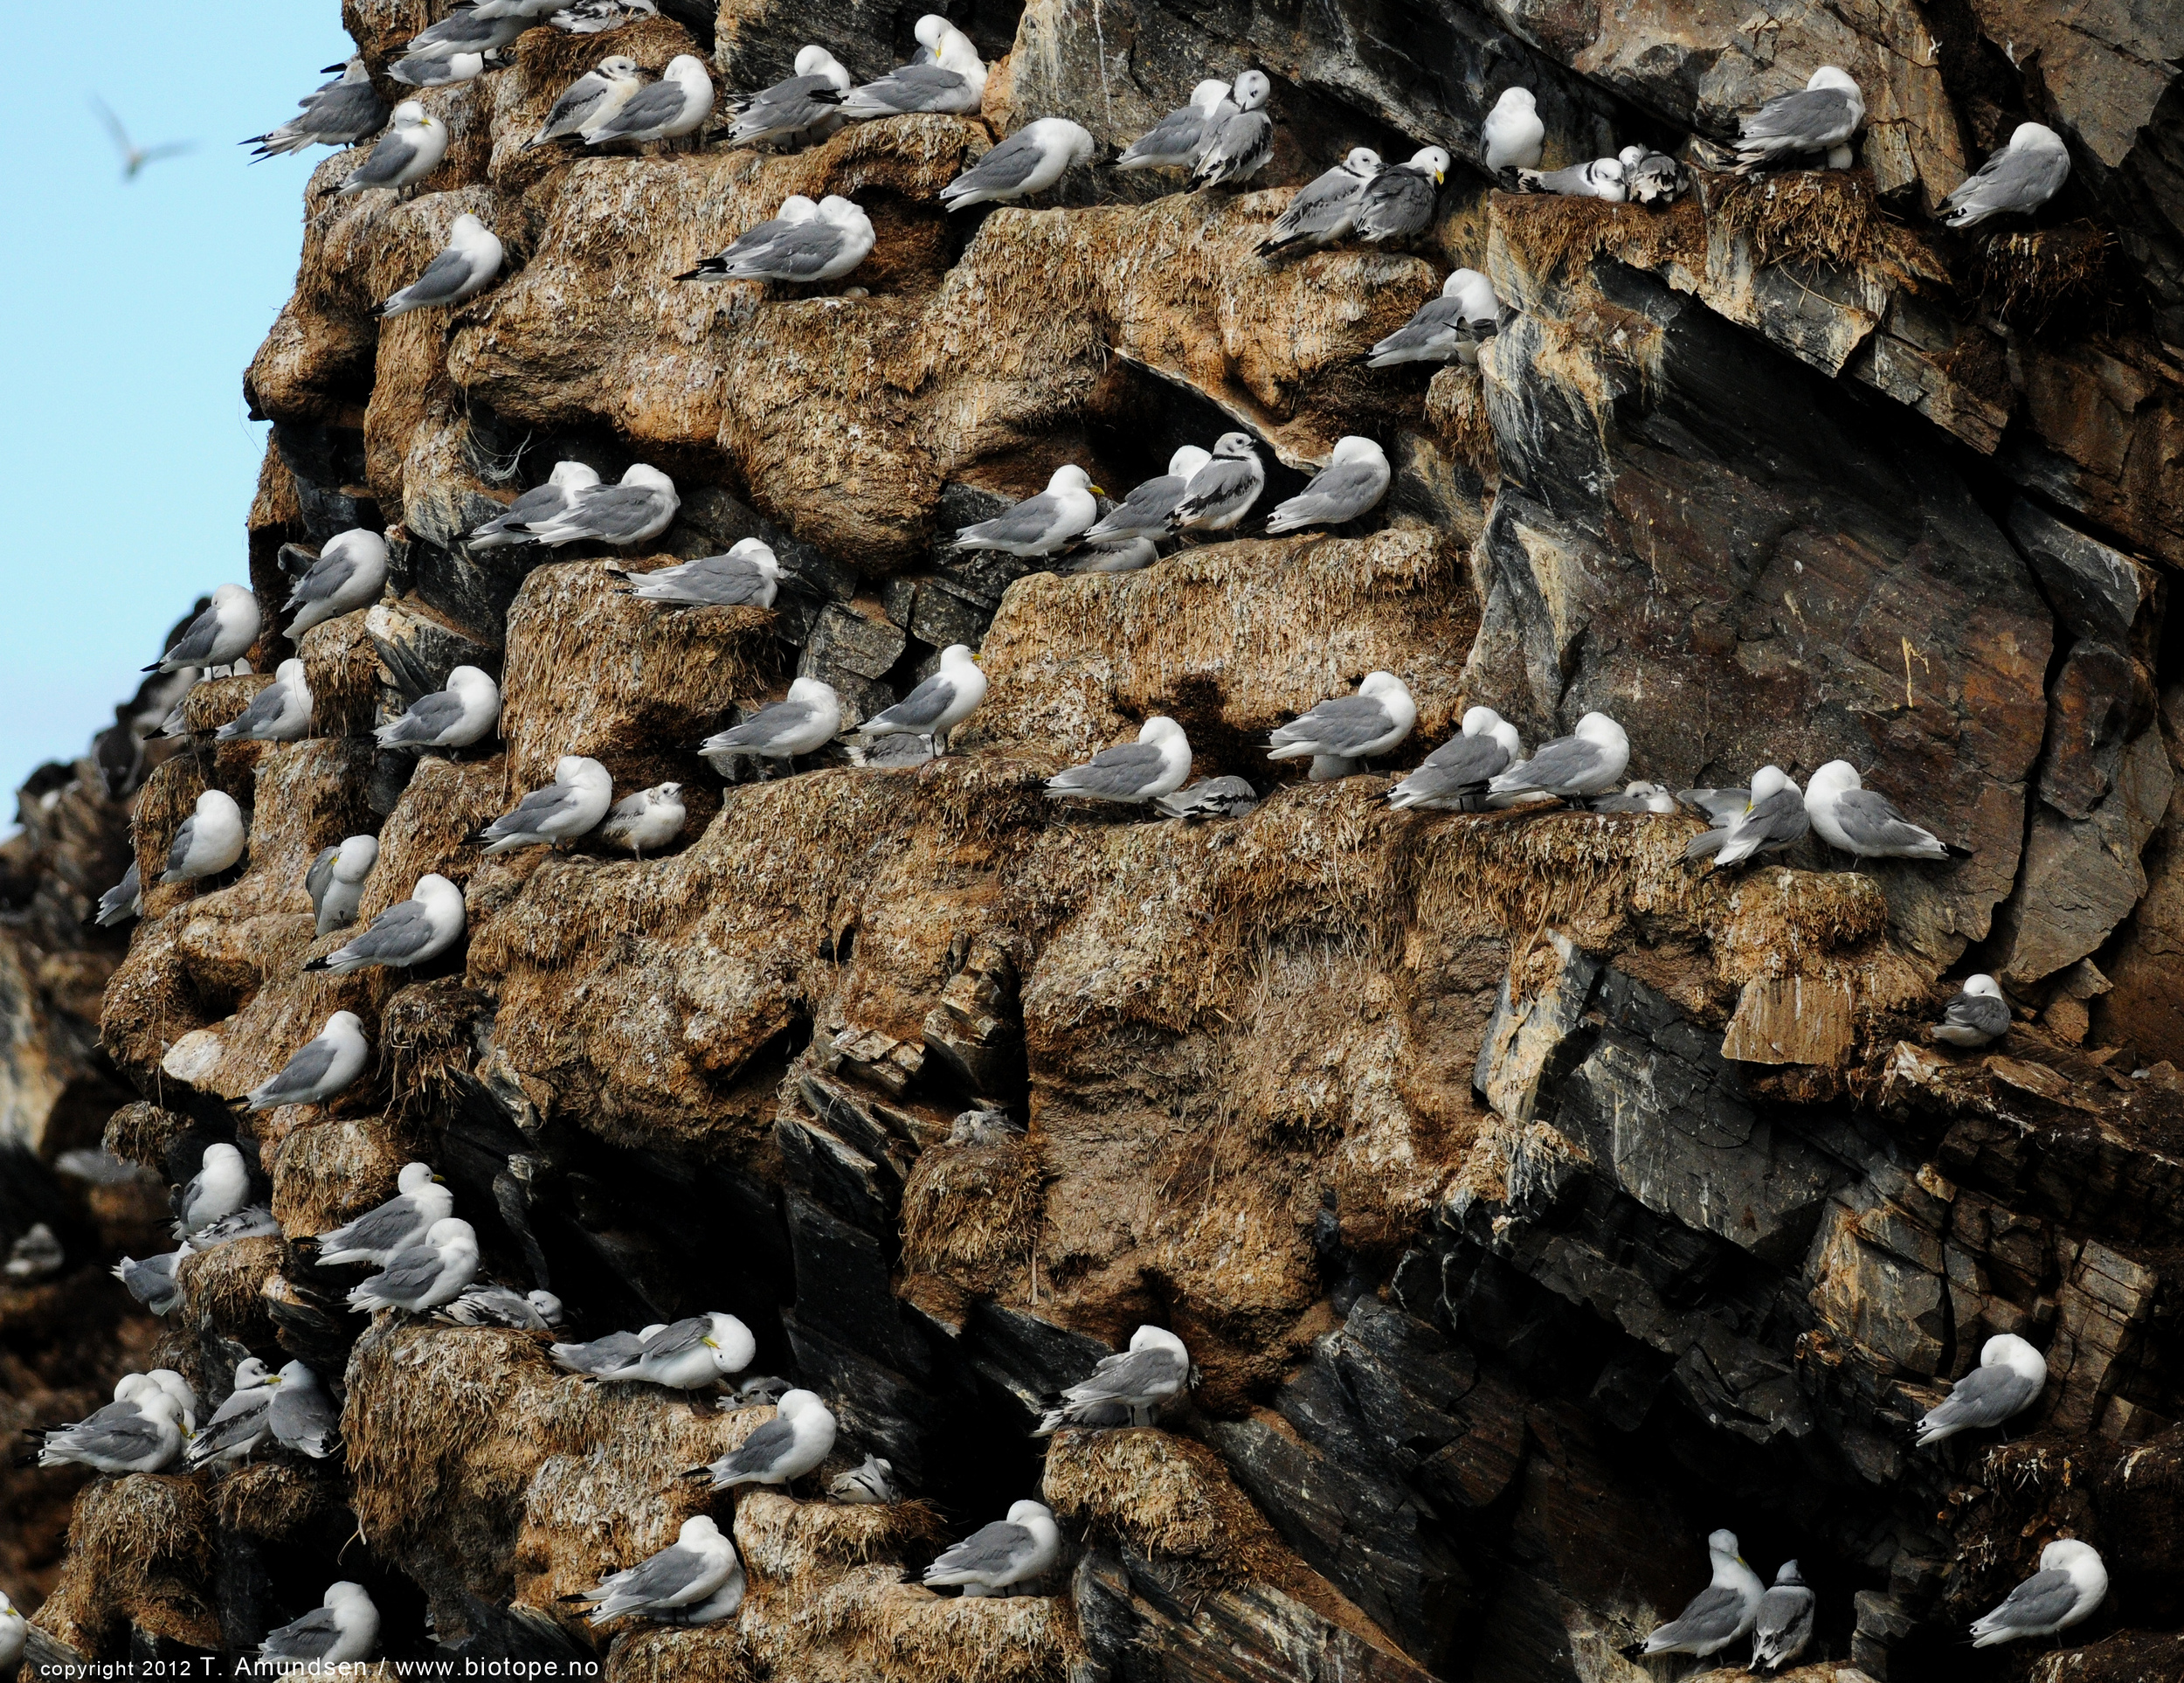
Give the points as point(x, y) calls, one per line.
point(154, 667)
point(697, 1472)
point(318, 964)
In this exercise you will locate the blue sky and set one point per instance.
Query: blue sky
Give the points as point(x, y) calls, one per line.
point(126, 463)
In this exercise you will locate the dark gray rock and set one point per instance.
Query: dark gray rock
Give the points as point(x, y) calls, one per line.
point(843, 1288)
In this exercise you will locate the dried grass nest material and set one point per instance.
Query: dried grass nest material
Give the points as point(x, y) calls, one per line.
point(1169, 1497)
point(274, 1498)
point(139, 1549)
point(1820, 216)
point(2028, 279)
point(972, 1210)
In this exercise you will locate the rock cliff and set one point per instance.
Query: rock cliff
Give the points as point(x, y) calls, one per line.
point(1532, 1201)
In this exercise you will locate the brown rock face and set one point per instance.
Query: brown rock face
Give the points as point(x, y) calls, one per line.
point(1532, 1198)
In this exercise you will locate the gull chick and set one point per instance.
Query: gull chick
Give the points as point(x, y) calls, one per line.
point(648, 820)
point(1241, 145)
point(1602, 178)
point(1220, 494)
point(1512, 135)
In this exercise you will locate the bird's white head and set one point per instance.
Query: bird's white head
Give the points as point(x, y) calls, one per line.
point(451, 1230)
point(1787, 1572)
point(466, 228)
point(1768, 780)
point(1161, 730)
point(619, 69)
point(1457, 281)
point(1597, 727)
point(568, 768)
point(411, 115)
point(1986, 988)
point(931, 29)
point(155, 1402)
point(687, 71)
point(665, 791)
point(1480, 721)
point(1722, 1544)
point(218, 804)
point(1354, 448)
point(251, 1372)
point(347, 1022)
point(956, 656)
point(231, 596)
point(1156, 1338)
point(1235, 447)
point(814, 692)
point(1188, 461)
point(2036, 137)
point(357, 855)
point(1608, 169)
point(289, 672)
point(1070, 477)
point(838, 211)
point(813, 60)
point(468, 681)
point(295, 1373)
point(651, 478)
point(1631, 156)
point(1020, 1512)
point(1379, 684)
point(1251, 89)
point(1363, 161)
point(1207, 94)
point(1432, 161)
point(1832, 779)
point(2069, 1555)
point(699, 1528)
point(436, 891)
point(222, 1155)
point(1515, 98)
point(571, 476)
point(796, 1403)
point(547, 1305)
point(797, 208)
point(345, 1593)
point(1830, 76)
point(415, 1177)
point(2007, 1350)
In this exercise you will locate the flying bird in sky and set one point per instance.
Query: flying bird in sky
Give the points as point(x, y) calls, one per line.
point(134, 157)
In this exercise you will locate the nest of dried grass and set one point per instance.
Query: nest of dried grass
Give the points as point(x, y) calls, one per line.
point(427, 1039)
point(982, 1639)
point(2027, 278)
point(331, 1172)
point(971, 1210)
point(1456, 407)
point(222, 1287)
point(652, 1653)
point(341, 667)
point(141, 1133)
point(801, 1543)
point(140, 1550)
point(274, 1499)
point(1170, 1498)
point(1552, 233)
point(1830, 216)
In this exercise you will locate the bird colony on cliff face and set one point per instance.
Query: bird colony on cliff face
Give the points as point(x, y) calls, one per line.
point(414, 1256)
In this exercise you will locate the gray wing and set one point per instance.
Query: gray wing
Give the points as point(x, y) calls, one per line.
point(1871, 820)
point(1722, 805)
point(536, 810)
point(2038, 1602)
point(761, 1448)
point(375, 1229)
point(681, 1335)
point(1806, 121)
point(989, 1551)
point(799, 251)
point(186, 833)
point(1436, 318)
point(1713, 1616)
point(394, 154)
point(715, 581)
point(1989, 1016)
point(1398, 201)
point(538, 503)
point(1026, 522)
point(1468, 759)
point(1146, 508)
point(409, 1273)
point(1241, 146)
point(444, 277)
point(774, 723)
point(2012, 181)
point(615, 1350)
point(312, 1636)
point(1319, 204)
point(1131, 1373)
point(1785, 1623)
point(304, 1418)
point(921, 707)
point(1334, 494)
point(913, 87)
point(1340, 726)
point(1985, 1396)
point(1780, 821)
point(1008, 165)
point(227, 1429)
point(1175, 137)
point(1219, 482)
point(343, 110)
point(395, 935)
point(465, 33)
point(1121, 770)
point(195, 644)
point(265, 707)
point(429, 718)
point(578, 102)
point(615, 512)
point(112, 1436)
point(665, 1575)
point(1561, 763)
point(302, 1072)
point(329, 575)
point(648, 109)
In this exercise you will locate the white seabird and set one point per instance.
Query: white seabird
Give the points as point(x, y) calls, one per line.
point(648, 820)
point(635, 511)
point(747, 576)
point(1131, 772)
point(423, 1276)
point(1240, 146)
point(1118, 555)
point(570, 807)
point(1639, 796)
point(420, 1200)
point(1450, 327)
point(1784, 1626)
point(1512, 135)
point(1859, 822)
point(252, 1222)
point(1349, 728)
point(1144, 512)
point(540, 506)
point(408, 152)
point(807, 719)
point(803, 109)
point(596, 16)
point(466, 30)
point(349, 573)
point(937, 705)
point(1212, 797)
point(1602, 178)
point(1975, 1016)
point(594, 98)
point(1220, 494)
point(208, 842)
point(795, 1441)
point(437, 69)
point(871, 1485)
point(1649, 177)
point(220, 1187)
point(454, 718)
point(1176, 140)
point(152, 1282)
point(219, 636)
point(1127, 1386)
point(1455, 775)
point(239, 1426)
point(339, 1633)
point(15, 1634)
point(335, 881)
point(1774, 819)
point(469, 263)
point(685, 1355)
point(343, 112)
point(139, 1433)
point(411, 932)
point(2071, 1583)
point(952, 81)
point(1011, 1551)
point(804, 244)
point(279, 712)
point(1042, 524)
point(1326, 208)
point(302, 1417)
point(1821, 118)
point(692, 1569)
point(2016, 181)
point(1589, 762)
point(1720, 1614)
point(123, 901)
point(2009, 1380)
point(676, 105)
point(1354, 480)
point(321, 1069)
point(602, 1355)
point(1028, 162)
point(496, 1306)
point(1399, 202)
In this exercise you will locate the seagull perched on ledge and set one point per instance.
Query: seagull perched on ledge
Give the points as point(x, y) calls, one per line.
point(411, 933)
point(569, 808)
point(1823, 117)
point(795, 1441)
point(1010, 1551)
point(804, 108)
point(2009, 1380)
point(1028, 162)
point(1126, 1387)
point(695, 1569)
point(1720, 1614)
point(2071, 1583)
point(2016, 181)
point(1133, 772)
point(1177, 141)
